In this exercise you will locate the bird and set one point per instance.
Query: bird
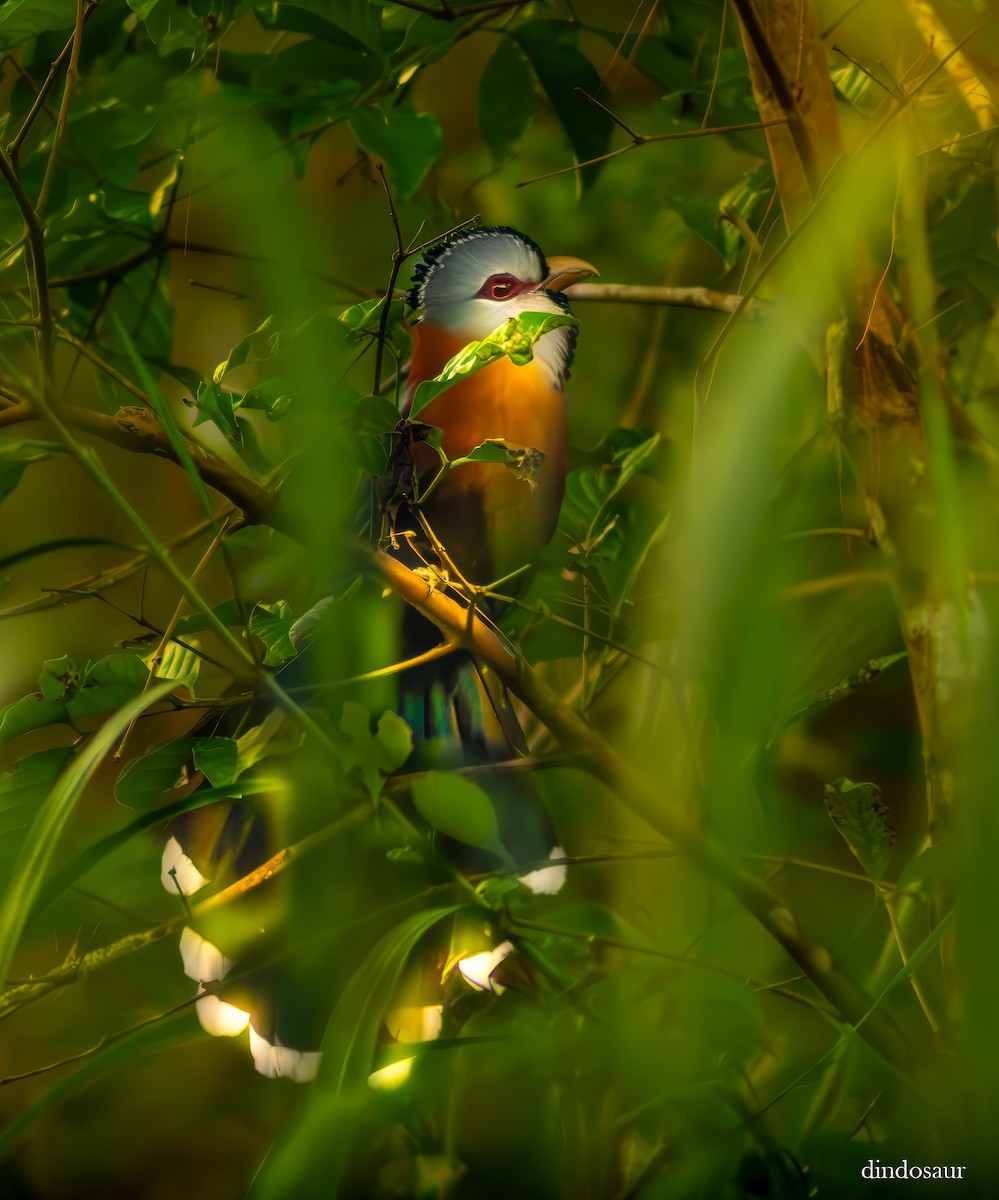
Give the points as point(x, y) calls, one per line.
point(482, 521)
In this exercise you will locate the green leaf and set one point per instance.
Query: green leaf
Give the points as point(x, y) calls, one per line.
point(22, 19)
point(228, 612)
point(240, 353)
point(273, 735)
point(217, 405)
point(374, 755)
point(363, 316)
point(59, 680)
point(406, 141)
point(507, 100)
point(375, 415)
point(515, 338)
point(43, 836)
point(168, 766)
point(24, 788)
point(460, 809)
point(562, 69)
point(106, 684)
point(16, 457)
point(272, 623)
point(524, 461)
point(861, 816)
point(178, 663)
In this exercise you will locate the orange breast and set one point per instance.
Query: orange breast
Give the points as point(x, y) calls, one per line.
point(490, 520)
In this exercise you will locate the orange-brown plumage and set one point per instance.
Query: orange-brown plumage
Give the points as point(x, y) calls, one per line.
point(491, 520)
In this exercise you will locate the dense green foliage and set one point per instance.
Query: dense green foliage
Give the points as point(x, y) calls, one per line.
point(761, 712)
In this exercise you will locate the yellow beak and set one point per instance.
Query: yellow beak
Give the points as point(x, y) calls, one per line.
point(563, 272)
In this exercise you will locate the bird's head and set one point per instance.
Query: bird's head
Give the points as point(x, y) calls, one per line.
point(473, 281)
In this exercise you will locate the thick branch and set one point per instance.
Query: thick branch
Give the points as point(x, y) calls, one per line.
point(139, 430)
point(644, 798)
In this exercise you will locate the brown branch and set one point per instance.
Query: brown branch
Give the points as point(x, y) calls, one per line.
point(645, 799)
point(139, 430)
point(676, 297)
point(17, 413)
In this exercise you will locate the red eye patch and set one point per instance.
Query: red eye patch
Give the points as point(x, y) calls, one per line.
point(501, 287)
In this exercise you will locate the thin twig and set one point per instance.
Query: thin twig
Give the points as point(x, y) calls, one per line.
point(93, 585)
point(644, 139)
point(72, 74)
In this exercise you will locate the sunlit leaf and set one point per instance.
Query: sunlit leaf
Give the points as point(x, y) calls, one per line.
point(459, 808)
point(515, 339)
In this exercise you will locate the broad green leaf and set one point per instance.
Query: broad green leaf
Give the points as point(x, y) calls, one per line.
point(167, 766)
point(861, 816)
point(273, 736)
point(177, 663)
point(515, 338)
point(460, 809)
point(217, 405)
point(375, 415)
point(272, 623)
point(60, 680)
point(524, 461)
point(228, 612)
point(24, 788)
point(562, 69)
point(363, 316)
point(375, 754)
point(240, 353)
point(21, 19)
point(43, 836)
point(408, 143)
point(507, 100)
point(16, 457)
point(106, 684)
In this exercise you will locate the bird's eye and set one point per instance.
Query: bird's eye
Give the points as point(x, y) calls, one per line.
point(499, 287)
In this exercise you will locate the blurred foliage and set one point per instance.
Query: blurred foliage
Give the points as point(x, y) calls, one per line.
point(751, 601)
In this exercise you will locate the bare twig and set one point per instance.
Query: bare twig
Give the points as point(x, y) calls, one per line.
point(93, 585)
point(444, 12)
point(645, 139)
